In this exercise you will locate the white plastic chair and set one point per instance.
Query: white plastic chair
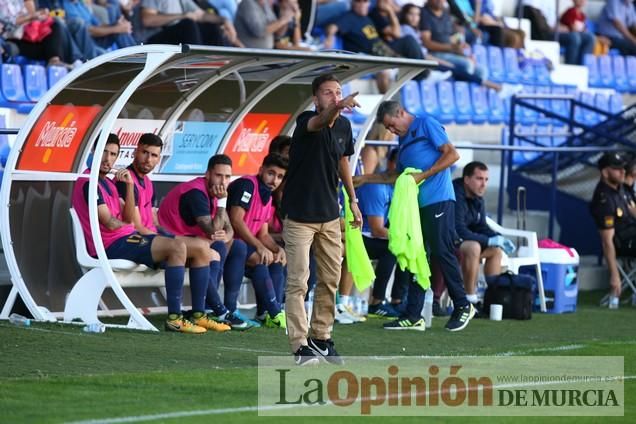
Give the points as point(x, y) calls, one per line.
point(525, 255)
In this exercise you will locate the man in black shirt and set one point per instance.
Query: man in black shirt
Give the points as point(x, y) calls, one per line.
point(615, 216)
point(320, 145)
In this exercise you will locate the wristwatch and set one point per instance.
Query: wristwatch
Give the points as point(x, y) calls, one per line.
point(354, 200)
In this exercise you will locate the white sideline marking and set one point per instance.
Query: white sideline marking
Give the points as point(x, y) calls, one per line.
point(238, 410)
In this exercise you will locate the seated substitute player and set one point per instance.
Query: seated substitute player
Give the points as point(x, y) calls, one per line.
point(121, 241)
point(250, 209)
point(145, 157)
point(191, 209)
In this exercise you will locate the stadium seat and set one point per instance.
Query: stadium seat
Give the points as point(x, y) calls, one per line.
point(525, 115)
point(616, 103)
point(560, 107)
point(446, 99)
point(620, 76)
point(496, 111)
point(601, 101)
point(495, 64)
point(479, 97)
point(411, 97)
point(583, 115)
point(605, 71)
point(527, 73)
point(463, 107)
point(428, 95)
point(543, 103)
point(594, 79)
point(630, 70)
point(481, 56)
point(541, 73)
point(12, 88)
point(511, 65)
point(56, 73)
point(35, 82)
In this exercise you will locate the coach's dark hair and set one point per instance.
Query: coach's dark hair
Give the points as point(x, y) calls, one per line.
point(388, 107)
point(469, 169)
point(219, 160)
point(318, 81)
point(274, 159)
point(150, 139)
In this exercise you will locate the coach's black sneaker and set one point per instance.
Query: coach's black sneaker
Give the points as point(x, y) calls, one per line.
point(460, 318)
point(324, 349)
point(305, 356)
point(438, 311)
point(406, 324)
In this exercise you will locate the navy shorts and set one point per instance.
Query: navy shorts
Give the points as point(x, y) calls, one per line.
point(134, 247)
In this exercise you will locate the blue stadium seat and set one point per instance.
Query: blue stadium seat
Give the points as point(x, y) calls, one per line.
point(511, 65)
point(544, 104)
point(616, 103)
point(428, 94)
point(411, 97)
point(496, 68)
point(527, 73)
point(12, 88)
point(35, 82)
point(446, 99)
point(463, 107)
point(496, 111)
point(586, 116)
point(559, 107)
point(56, 73)
point(606, 72)
point(630, 69)
point(541, 73)
point(479, 97)
point(590, 62)
point(601, 101)
point(620, 76)
point(529, 131)
point(525, 115)
point(481, 56)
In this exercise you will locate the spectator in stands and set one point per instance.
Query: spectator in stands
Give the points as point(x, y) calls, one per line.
point(442, 40)
point(289, 37)
point(191, 209)
point(146, 156)
point(118, 33)
point(174, 22)
point(618, 23)
point(423, 144)
point(410, 24)
point(545, 26)
point(478, 240)
point(34, 32)
point(615, 215)
point(575, 20)
point(225, 8)
point(250, 208)
point(329, 11)
point(498, 33)
point(121, 241)
point(256, 23)
point(375, 200)
point(320, 145)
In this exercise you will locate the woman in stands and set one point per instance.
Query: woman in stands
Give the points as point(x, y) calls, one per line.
point(37, 35)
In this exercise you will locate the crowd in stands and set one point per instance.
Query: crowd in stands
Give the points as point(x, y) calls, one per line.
point(67, 31)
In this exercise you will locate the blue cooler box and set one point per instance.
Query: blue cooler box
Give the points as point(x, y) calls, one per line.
point(559, 271)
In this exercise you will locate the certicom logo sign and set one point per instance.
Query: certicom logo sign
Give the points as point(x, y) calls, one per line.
point(451, 386)
point(55, 139)
point(250, 141)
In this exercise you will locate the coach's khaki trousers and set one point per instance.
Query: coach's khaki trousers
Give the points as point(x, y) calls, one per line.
point(326, 239)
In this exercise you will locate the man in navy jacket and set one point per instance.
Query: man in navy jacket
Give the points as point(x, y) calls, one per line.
point(478, 240)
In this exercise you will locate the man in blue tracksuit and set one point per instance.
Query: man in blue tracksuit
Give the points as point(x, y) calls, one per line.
point(423, 144)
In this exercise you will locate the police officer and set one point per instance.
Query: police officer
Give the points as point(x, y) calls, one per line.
point(614, 212)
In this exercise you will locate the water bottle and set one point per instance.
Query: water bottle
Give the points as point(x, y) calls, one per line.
point(19, 320)
point(94, 327)
point(309, 305)
point(364, 307)
point(428, 308)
